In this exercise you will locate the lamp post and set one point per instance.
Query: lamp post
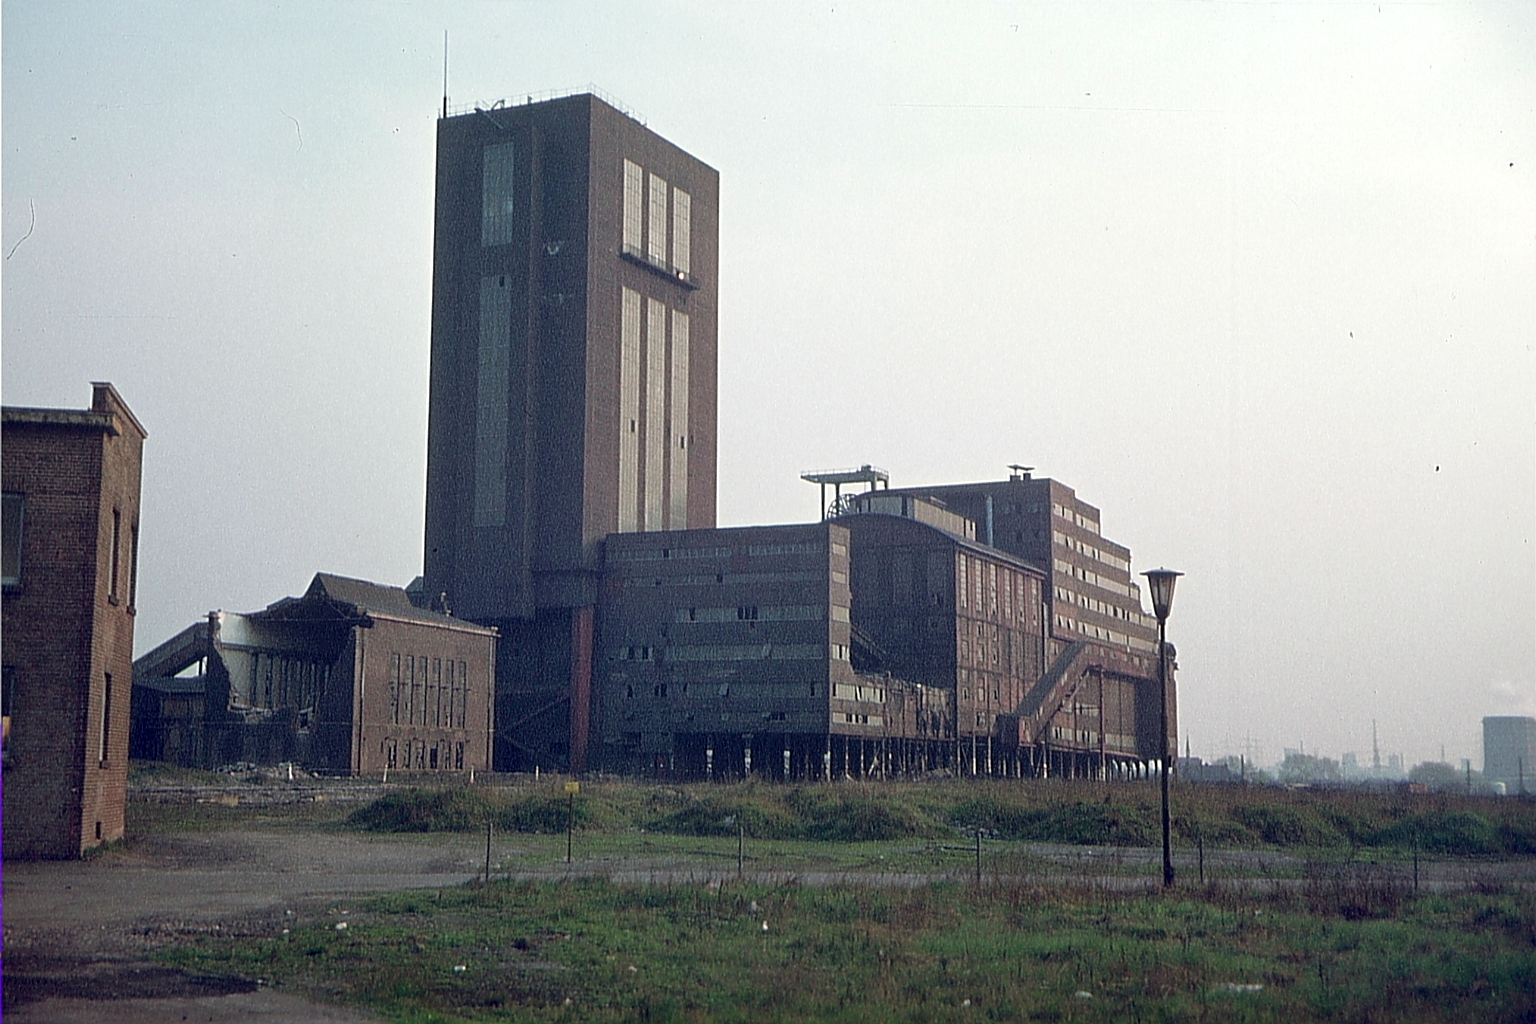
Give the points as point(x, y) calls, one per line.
point(1160, 582)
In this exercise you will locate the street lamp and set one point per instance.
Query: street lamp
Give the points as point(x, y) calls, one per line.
point(1160, 582)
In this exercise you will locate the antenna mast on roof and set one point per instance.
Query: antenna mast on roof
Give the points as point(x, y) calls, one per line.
point(445, 72)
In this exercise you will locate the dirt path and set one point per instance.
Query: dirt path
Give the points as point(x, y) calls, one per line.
point(78, 933)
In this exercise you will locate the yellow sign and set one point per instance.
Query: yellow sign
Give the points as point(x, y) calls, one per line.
point(573, 787)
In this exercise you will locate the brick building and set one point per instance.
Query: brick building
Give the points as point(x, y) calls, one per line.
point(351, 678)
point(885, 640)
point(1095, 706)
point(71, 541)
point(573, 384)
point(729, 651)
point(931, 604)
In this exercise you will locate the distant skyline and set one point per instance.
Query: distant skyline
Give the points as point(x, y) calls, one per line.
point(1254, 279)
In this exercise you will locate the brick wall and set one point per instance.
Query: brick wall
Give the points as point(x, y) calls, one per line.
point(429, 727)
point(64, 633)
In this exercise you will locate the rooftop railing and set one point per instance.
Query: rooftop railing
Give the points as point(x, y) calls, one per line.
point(541, 97)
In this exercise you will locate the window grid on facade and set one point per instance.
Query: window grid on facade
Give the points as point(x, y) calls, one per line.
point(634, 200)
point(656, 240)
point(682, 214)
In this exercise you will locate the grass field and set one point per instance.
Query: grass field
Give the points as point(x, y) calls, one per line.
point(592, 950)
point(1344, 936)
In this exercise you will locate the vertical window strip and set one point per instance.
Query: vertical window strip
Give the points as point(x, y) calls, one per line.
point(15, 506)
point(496, 195)
point(629, 411)
point(491, 401)
point(394, 686)
point(410, 689)
point(679, 447)
point(655, 414)
point(656, 243)
point(682, 235)
point(133, 566)
point(437, 692)
point(634, 201)
point(422, 678)
point(117, 552)
point(106, 718)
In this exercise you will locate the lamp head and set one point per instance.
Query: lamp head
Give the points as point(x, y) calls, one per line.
point(1160, 582)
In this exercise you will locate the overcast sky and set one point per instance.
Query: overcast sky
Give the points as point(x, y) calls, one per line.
point(1257, 279)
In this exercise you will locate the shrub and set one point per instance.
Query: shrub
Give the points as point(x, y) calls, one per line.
point(1286, 826)
point(806, 812)
point(1459, 833)
point(466, 810)
point(1080, 822)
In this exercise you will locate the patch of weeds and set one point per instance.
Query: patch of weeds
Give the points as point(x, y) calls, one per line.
point(468, 810)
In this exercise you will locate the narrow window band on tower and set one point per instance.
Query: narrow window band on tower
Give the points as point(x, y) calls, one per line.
point(496, 195)
point(655, 414)
point(678, 450)
point(629, 408)
point(491, 401)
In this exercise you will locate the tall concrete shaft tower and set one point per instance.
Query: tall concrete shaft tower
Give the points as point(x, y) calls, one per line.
point(573, 390)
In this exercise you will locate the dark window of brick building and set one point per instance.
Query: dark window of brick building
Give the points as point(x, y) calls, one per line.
point(133, 568)
point(117, 552)
point(10, 564)
point(106, 717)
point(7, 702)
